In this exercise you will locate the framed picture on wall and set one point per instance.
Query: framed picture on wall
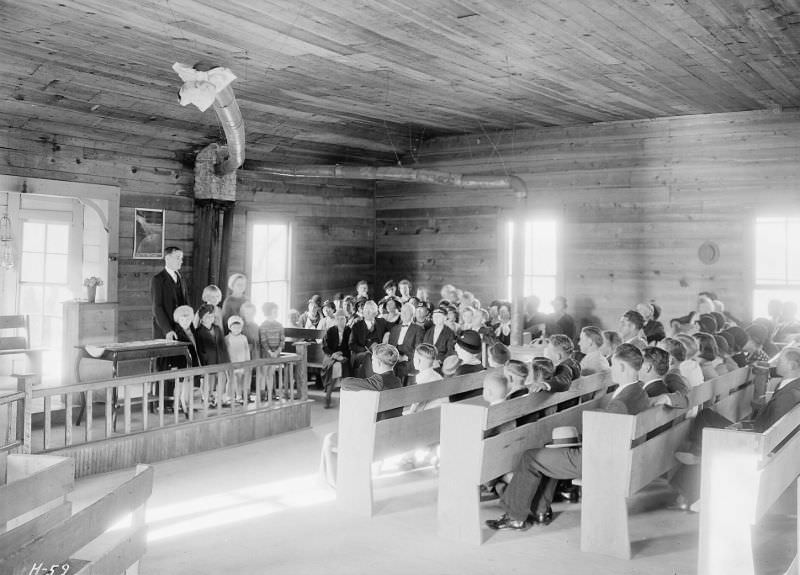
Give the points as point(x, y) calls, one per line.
point(148, 234)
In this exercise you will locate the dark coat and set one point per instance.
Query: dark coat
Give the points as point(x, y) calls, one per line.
point(166, 296)
point(211, 345)
point(445, 345)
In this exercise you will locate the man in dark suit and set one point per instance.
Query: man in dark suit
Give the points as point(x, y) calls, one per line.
point(405, 336)
point(765, 413)
point(668, 388)
point(336, 345)
point(538, 471)
point(440, 336)
point(167, 293)
point(364, 335)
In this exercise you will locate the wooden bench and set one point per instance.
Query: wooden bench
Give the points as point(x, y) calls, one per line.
point(363, 439)
point(743, 474)
point(622, 454)
point(470, 459)
point(41, 530)
point(314, 353)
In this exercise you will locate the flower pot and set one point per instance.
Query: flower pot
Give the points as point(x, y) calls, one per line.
point(91, 293)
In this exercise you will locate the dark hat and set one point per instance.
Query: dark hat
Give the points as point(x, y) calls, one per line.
point(729, 339)
point(739, 336)
point(719, 318)
point(389, 284)
point(470, 340)
point(707, 323)
point(757, 332)
point(722, 344)
point(440, 310)
point(499, 353)
point(565, 436)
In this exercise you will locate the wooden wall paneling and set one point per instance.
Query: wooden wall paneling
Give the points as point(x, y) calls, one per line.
point(638, 199)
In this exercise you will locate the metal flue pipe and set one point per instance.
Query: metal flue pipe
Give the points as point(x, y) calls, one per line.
point(230, 117)
point(415, 175)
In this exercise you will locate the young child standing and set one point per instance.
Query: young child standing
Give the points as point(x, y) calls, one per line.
point(211, 349)
point(250, 328)
point(238, 350)
point(271, 338)
point(212, 296)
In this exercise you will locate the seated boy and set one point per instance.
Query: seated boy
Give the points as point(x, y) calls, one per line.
point(590, 342)
point(542, 370)
point(663, 387)
point(499, 354)
point(384, 358)
point(424, 357)
point(517, 374)
point(559, 351)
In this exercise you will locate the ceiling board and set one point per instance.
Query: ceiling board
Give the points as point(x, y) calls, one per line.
point(357, 81)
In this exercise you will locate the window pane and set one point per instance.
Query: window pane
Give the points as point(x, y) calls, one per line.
point(33, 235)
point(276, 252)
point(540, 247)
point(53, 296)
point(278, 292)
point(32, 267)
point(510, 253)
point(56, 269)
point(543, 287)
point(58, 238)
point(258, 295)
point(770, 250)
point(793, 251)
point(30, 300)
point(259, 271)
point(761, 298)
point(51, 335)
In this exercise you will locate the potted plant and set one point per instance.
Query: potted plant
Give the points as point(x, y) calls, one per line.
point(91, 284)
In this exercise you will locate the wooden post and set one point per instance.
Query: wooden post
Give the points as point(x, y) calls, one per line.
point(461, 448)
point(301, 349)
point(356, 448)
point(24, 411)
point(518, 277)
point(606, 483)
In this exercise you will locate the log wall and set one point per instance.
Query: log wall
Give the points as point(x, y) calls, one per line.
point(148, 177)
point(333, 230)
point(635, 200)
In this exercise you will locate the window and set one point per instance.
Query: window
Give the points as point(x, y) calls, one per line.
point(777, 262)
point(270, 266)
point(44, 284)
point(541, 257)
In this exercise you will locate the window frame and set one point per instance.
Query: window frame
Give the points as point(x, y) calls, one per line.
point(267, 220)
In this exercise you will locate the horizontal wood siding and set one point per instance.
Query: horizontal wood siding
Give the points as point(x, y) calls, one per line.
point(333, 230)
point(636, 200)
point(148, 177)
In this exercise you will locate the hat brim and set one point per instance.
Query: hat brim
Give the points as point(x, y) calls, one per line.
point(469, 348)
point(552, 445)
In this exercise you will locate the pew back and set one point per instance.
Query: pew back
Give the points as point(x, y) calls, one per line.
point(743, 475)
point(42, 531)
point(624, 453)
point(472, 455)
point(363, 437)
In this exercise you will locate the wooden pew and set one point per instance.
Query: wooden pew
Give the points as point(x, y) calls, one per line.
point(363, 439)
point(469, 459)
point(622, 454)
point(41, 530)
point(743, 474)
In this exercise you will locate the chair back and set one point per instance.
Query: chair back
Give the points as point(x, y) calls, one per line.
point(15, 323)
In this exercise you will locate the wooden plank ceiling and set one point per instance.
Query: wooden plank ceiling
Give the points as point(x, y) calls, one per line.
point(359, 81)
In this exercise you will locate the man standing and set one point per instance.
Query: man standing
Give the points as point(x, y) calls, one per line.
point(167, 293)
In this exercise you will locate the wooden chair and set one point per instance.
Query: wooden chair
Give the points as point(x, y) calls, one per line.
point(16, 344)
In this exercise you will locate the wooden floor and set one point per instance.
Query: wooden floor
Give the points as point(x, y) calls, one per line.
point(261, 507)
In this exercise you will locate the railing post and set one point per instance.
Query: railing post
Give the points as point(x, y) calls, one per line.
point(24, 410)
point(301, 349)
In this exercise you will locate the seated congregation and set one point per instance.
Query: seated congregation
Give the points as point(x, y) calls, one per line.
point(647, 370)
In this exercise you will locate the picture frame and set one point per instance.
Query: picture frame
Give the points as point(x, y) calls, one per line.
point(148, 234)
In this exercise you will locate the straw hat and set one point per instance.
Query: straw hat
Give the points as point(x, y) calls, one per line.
point(566, 436)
